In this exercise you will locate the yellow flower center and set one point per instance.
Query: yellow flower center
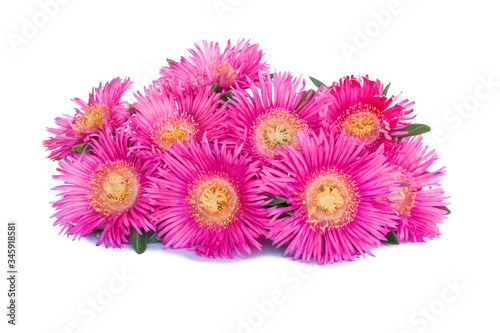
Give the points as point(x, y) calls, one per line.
point(92, 117)
point(328, 198)
point(331, 200)
point(169, 134)
point(363, 121)
point(361, 125)
point(274, 129)
point(404, 200)
point(223, 69)
point(276, 136)
point(169, 131)
point(114, 187)
point(406, 203)
point(214, 200)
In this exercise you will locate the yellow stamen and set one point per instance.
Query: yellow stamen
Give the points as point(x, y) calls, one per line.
point(169, 131)
point(214, 200)
point(404, 206)
point(215, 69)
point(403, 199)
point(277, 136)
point(361, 125)
point(114, 187)
point(275, 128)
point(92, 117)
point(363, 121)
point(172, 134)
point(224, 68)
point(331, 199)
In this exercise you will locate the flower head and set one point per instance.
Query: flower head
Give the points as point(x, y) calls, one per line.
point(208, 199)
point(332, 187)
point(272, 111)
point(103, 109)
point(169, 113)
point(360, 109)
point(208, 65)
point(104, 190)
point(421, 202)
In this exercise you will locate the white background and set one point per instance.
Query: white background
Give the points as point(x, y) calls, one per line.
point(438, 54)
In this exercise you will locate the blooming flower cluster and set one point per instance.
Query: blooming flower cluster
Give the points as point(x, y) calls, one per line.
point(219, 154)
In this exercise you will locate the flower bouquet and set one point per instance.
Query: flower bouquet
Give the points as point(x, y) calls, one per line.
point(219, 154)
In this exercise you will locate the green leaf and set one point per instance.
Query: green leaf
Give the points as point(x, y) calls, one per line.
point(169, 61)
point(446, 209)
point(131, 110)
point(225, 96)
point(276, 200)
point(316, 82)
point(57, 159)
point(215, 87)
point(271, 75)
point(391, 238)
point(153, 239)
point(138, 241)
point(79, 149)
point(386, 89)
point(285, 214)
point(305, 97)
point(413, 129)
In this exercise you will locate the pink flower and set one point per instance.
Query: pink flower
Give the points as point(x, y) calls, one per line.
point(271, 111)
point(360, 109)
point(332, 187)
point(208, 66)
point(208, 199)
point(166, 114)
point(104, 190)
point(421, 202)
point(103, 109)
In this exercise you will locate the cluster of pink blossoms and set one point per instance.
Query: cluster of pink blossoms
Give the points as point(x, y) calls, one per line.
point(218, 154)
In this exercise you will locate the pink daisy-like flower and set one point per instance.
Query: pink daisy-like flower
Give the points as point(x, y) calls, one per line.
point(420, 202)
point(360, 109)
point(208, 66)
point(103, 109)
point(208, 199)
point(104, 190)
point(272, 111)
point(167, 114)
point(332, 187)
